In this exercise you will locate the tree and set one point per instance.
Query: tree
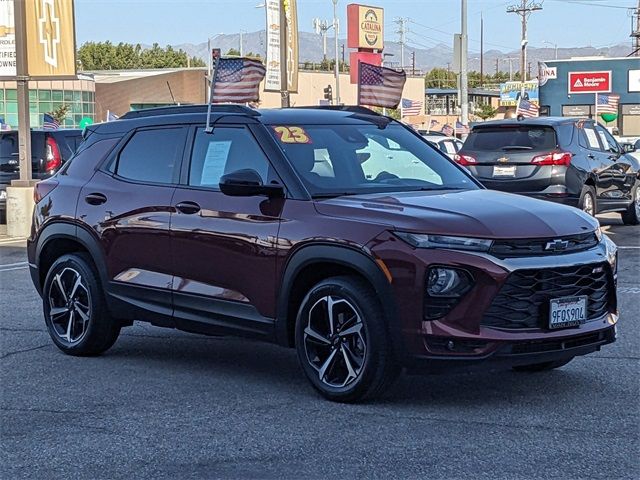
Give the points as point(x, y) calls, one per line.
point(485, 111)
point(60, 113)
point(126, 56)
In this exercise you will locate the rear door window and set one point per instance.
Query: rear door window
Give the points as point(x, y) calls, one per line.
point(589, 138)
point(152, 156)
point(607, 140)
point(525, 137)
point(8, 147)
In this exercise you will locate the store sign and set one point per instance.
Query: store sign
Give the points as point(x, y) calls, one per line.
point(634, 81)
point(7, 40)
point(273, 76)
point(576, 110)
point(546, 73)
point(631, 109)
point(365, 27)
point(510, 93)
point(590, 82)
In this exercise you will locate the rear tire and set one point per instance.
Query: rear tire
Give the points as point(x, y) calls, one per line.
point(346, 355)
point(588, 203)
point(631, 216)
point(75, 311)
point(542, 367)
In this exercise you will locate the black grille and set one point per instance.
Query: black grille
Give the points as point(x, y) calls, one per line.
point(523, 300)
point(537, 246)
point(539, 346)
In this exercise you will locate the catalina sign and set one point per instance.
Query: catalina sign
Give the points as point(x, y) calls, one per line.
point(590, 82)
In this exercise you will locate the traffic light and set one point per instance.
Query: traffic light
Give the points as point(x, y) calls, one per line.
point(328, 93)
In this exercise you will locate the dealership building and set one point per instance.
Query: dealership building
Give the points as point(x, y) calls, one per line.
point(568, 88)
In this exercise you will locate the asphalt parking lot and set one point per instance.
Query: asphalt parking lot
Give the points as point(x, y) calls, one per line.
point(166, 404)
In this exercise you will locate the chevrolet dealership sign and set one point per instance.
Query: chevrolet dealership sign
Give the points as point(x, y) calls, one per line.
point(51, 43)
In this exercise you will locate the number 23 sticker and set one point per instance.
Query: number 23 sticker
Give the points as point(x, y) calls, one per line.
point(292, 135)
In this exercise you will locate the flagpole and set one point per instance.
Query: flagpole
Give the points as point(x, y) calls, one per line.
point(359, 79)
point(214, 75)
point(595, 113)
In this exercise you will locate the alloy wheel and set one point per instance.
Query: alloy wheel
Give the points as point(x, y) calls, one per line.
point(335, 341)
point(69, 306)
point(588, 206)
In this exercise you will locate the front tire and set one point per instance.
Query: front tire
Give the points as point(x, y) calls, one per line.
point(342, 341)
point(588, 203)
point(631, 216)
point(75, 311)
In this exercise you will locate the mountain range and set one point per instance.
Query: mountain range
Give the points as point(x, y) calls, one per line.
point(439, 55)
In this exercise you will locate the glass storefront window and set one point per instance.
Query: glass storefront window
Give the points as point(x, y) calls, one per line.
point(45, 107)
point(12, 119)
point(56, 95)
point(12, 107)
point(33, 95)
point(11, 94)
point(44, 95)
point(1, 93)
point(33, 108)
point(68, 96)
point(35, 120)
point(76, 108)
point(77, 97)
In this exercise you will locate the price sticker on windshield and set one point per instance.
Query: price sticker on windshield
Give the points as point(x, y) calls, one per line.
point(292, 134)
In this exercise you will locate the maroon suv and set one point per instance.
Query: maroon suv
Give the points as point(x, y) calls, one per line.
point(339, 232)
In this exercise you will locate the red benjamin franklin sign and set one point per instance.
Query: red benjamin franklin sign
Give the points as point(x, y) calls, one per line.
point(590, 82)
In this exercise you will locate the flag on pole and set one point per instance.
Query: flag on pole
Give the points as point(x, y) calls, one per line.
point(380, 86)
point(461, 129)
point(237, 80)
point(49, 123)
point(607, 103)
point(411, 107)
point(434, 125)
point(447, 130)
point(111, 116)
point(526, 109)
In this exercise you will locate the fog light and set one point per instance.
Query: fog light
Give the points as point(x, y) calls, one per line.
point(447, 282)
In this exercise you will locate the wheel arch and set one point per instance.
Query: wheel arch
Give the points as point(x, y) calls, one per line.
point(313, 263)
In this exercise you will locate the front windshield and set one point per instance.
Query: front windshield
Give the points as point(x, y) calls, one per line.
point(344, 159)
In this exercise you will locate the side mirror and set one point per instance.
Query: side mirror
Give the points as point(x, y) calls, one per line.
point(247, 183)
point(628, 147)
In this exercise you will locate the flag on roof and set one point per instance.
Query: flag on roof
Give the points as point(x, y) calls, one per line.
point(380, 86)
point(49, 123)
point(526, 109)
point(111, 116)
point(607, 103)
point(447, 130)
point(411, 107)
point(434, 125)
point(461, 129)
point(237, 80)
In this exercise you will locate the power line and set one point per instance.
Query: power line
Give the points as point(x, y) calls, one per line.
point(524, 10)
point(402, 31)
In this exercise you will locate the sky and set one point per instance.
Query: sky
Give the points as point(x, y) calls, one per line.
point(567, 23)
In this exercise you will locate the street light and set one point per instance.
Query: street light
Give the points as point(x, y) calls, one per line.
point(555, 47)
point(209, 39)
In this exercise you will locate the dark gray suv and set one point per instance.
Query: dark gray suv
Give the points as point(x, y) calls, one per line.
point(567, 160)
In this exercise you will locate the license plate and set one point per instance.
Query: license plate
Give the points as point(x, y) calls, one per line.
point(567, 312)
point(504, 171)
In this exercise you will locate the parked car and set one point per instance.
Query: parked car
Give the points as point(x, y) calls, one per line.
point(567, 160)
point(50, 149)
point(447, 145)
point(335, 231)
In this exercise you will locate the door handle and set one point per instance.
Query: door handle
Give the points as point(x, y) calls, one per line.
point(188, 208)
point(95, 199)
point(591, 156)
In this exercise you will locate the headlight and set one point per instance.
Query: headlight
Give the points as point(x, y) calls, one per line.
point(419, 240)
point(612, 254)
point(598, 233)
point(447, 282)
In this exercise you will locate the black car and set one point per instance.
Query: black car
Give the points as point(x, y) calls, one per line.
point(50, 149)
point(572, 161)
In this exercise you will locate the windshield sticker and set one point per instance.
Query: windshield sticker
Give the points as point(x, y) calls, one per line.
point(215, 162)
point(592, 139)
point(292, 134)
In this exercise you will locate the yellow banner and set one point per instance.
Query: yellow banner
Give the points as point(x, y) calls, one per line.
point(51, 42)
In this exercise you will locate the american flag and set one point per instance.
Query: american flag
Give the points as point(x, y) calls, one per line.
point(607, 103)
point(380, 86)
point(447, 130)
point(49, 123)
point(461, 129)
point(526, 109)
point(237, 80)
point(411, 107)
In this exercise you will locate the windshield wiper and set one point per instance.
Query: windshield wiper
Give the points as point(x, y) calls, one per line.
point(516, 147)
point(333, 195)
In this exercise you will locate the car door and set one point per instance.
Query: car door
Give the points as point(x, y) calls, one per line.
point(224, 247)
point(620, 168)
point(127, 205)
point(599, 161)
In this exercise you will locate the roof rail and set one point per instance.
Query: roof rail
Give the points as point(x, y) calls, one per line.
point(344, 108)
point(181, 109)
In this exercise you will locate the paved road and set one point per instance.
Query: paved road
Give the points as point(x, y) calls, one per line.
point(167, 404)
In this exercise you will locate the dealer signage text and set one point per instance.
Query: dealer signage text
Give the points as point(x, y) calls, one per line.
point(590, 82)
point(365, 27)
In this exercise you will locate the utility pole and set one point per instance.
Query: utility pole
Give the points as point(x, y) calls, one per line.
point(24, 130)
point(497, 66)
point(336, 30)
point(321, 27)
point(402, 30)
point(413, 63)
point(343, 61)
point(464, 86)
point(241, 44)
point(284, 76)
point(481, 50)
point(635, 34)
point(525, 9)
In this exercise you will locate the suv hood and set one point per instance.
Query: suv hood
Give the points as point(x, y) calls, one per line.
point(469, 213)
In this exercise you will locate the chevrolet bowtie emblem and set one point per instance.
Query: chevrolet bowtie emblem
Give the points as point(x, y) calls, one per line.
point(557, 245)
point(503, 160)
